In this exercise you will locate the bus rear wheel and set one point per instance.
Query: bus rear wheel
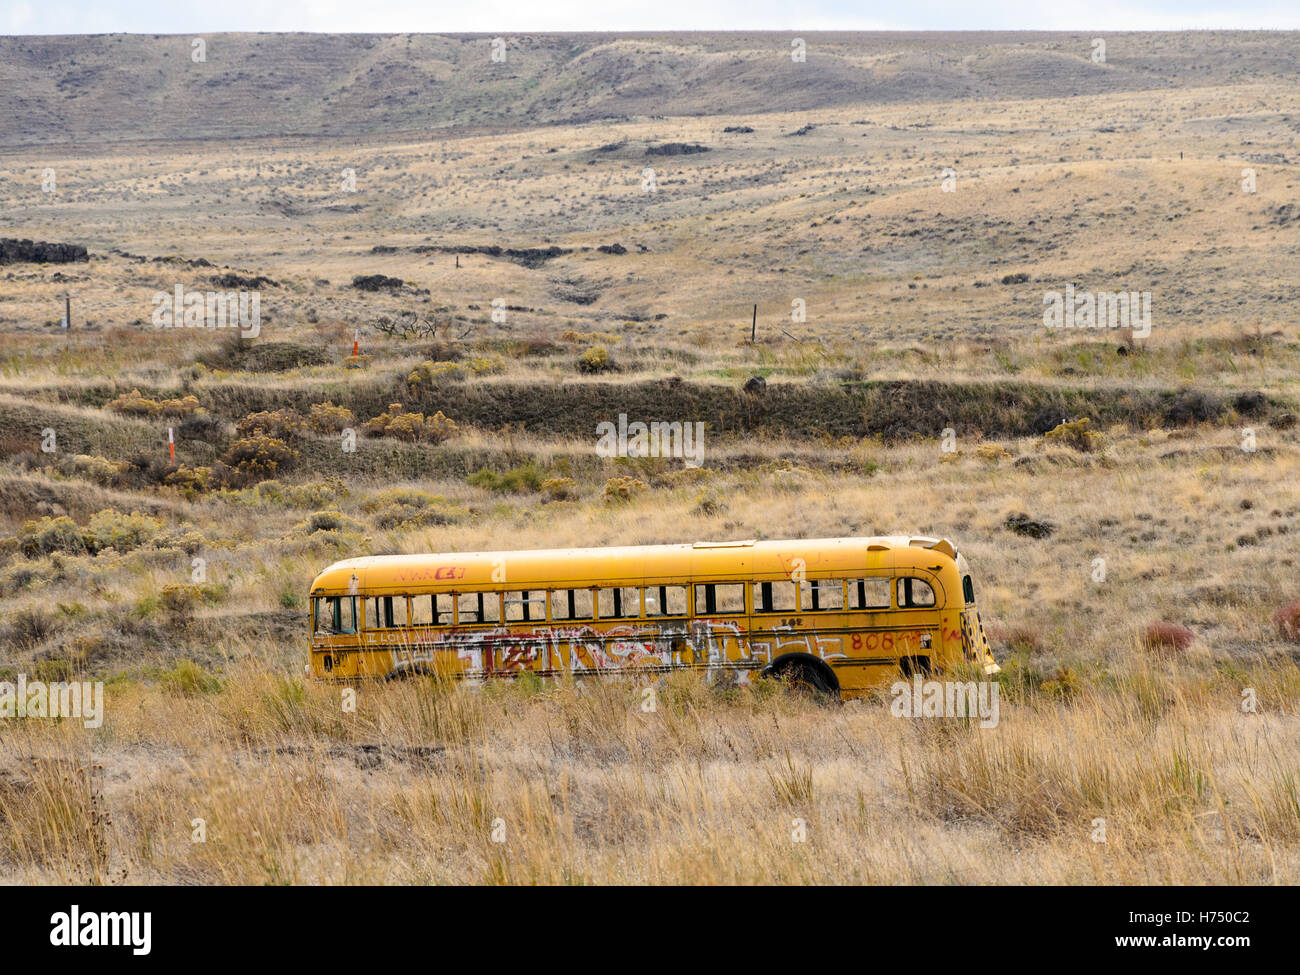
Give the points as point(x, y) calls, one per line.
point(804, 679)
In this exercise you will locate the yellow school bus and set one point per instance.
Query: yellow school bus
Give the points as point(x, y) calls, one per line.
point(834, 615)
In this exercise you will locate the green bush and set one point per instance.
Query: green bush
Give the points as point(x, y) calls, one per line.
point(524, 479)
point(189, 679)
point(408, 507)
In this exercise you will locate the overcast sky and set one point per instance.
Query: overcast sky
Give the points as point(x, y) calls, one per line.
point(506, 16)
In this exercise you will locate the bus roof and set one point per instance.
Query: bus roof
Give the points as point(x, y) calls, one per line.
point(633, 565)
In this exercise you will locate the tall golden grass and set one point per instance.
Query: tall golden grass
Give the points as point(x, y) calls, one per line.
point(558, 783)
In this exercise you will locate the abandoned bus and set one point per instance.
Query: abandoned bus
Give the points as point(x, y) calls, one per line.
point(837, 615)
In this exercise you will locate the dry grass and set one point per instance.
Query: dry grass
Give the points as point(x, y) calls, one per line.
point(586, 787)
point(185, 590)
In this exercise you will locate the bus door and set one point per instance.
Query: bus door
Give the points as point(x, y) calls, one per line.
point(919, 637)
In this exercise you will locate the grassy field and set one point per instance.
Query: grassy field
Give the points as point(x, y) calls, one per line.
point(538, 288)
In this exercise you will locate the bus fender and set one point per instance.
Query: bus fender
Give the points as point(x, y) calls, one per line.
point(818, 666)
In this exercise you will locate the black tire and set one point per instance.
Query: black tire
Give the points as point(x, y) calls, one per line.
point(805, 680)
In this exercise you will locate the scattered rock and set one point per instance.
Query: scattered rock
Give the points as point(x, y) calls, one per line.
point(1284, 214)
point(376, 282)
point(1022, 524)
point(756, 385)
point(527, 256)
point(240, 282)
point(676, 149)
point(14, 251)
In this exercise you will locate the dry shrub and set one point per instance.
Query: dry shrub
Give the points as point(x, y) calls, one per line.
point(256, 458)
point(1024, 639)
point(101, 470)
point(133, 404)
point(180, 601)
point(45, 535)
point(432, 373)
point(191, 481)
point(329, 520)
point(560, 488)
point(1167, 637)
point(328, 418)
point(1074, 434)
point(595, 360)
point(411, 427)
point(406, 508)
point(620, 489)
point(106, 529)
point(286, 424)
point(1287, 621)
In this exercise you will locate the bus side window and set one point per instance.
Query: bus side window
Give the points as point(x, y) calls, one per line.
point(621, 603)
point(527, 606)
point(774, 597)
point(665, 601)
point(968, 589)
point(821, 595)
point(430, 609)
point(478, 607)
point(914, 593)
point(571, 604)
point(870, 593)
point(719, 598)
point(380, 613)
point(467, 608)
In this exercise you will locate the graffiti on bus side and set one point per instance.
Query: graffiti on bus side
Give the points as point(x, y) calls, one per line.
point(713, 644)
point(579, 647)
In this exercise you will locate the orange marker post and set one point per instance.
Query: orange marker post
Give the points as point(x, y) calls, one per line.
point(356, 342)
point(171, 444)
